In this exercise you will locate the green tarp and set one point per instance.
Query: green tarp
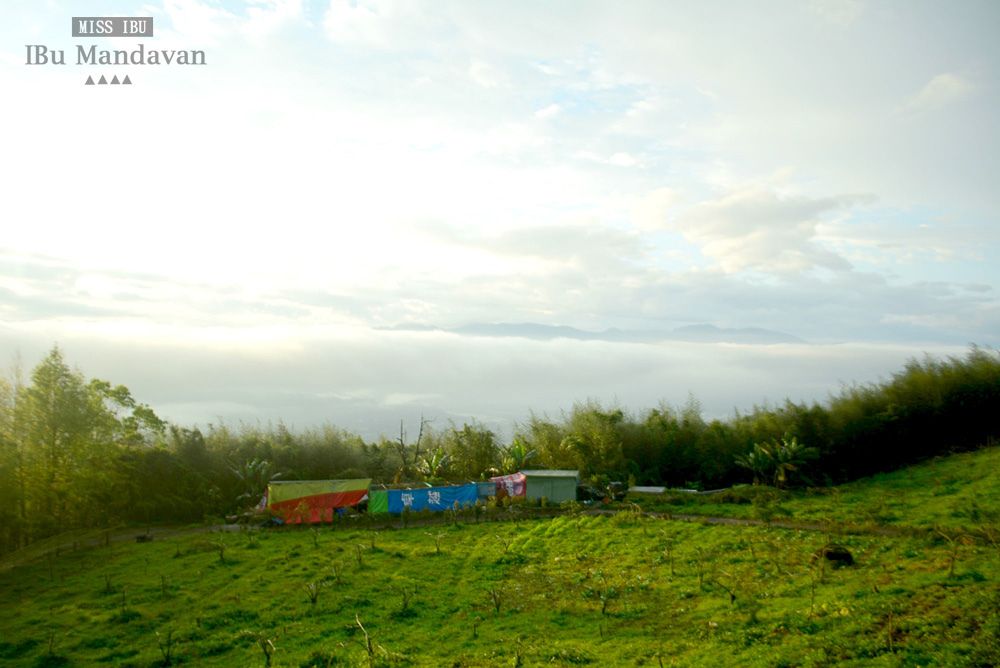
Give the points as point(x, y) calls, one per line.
point(378, 501)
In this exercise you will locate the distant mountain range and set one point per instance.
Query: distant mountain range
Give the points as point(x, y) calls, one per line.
point(690, 333)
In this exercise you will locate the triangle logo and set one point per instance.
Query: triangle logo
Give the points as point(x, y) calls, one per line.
point(126, 80)
point(114, 81)
point(90, 81)
point(102, 81)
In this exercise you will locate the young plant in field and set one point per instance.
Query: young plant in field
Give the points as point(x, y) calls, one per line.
point(704, 561)
point(313, 589)
point(955, 540)
point(358, 551)
point(518, 662)
point(751, 545)
point(827, 526)
point(745, 594)
point(605, 592)
point(764, 507)
point(814, 577)
point(371, 648)
point(265, 644)
point(668, 545)
point(405, 596)
point(891, 620)
point(315, 537)
point(372, 535)
point(338, 569)
point(496, 594)
point(992, 536)
point(166, 644)
point(573, 509)
point(774, 552)
point(630, 514)
point(727, 588)
point(250, 536)
point(437, 541)
point(505, 542)
point(820, 565)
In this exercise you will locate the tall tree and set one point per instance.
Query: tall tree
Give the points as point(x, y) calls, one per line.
point(66, 436)
point(473, 450)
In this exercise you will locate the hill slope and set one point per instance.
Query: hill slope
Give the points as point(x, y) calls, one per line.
point(621, 590)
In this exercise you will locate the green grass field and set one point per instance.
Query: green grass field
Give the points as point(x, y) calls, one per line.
point(958, 492)
point(623, 590)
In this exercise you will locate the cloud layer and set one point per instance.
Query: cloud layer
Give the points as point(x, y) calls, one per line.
point(825, 169)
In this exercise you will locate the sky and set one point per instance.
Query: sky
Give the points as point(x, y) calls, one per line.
point(293, 230)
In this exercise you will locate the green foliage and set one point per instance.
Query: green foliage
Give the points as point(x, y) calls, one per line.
point(775, 459)
point(581, 590)
point(473, 450)
point(80, 454)
point(435, 464)
point(515, 457)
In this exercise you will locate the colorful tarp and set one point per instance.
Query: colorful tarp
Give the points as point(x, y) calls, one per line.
point(433, 498)
point(311, 501)
point(378, 501)
point(514, 484)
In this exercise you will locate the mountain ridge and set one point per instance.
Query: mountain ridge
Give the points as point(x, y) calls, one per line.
point(700, 333)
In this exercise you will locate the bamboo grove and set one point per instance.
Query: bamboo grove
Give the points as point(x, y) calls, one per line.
point(79, 453)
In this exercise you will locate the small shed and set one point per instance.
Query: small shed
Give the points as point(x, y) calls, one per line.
point(554, 486)
point(486, 490)
point(647, 490)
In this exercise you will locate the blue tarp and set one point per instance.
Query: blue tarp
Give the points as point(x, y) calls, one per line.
point(434, 498)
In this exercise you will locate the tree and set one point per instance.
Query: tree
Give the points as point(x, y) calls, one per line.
point(548, 440)
point(408, 456)
point(473, 450)
point(757, 461)
point(595, 436)
point(515, 457)
point(775, 460)
point(788, 455)
point(12, 470)
point(253, 477)
point(434, 464)
point(69, 444)
point(62, 438)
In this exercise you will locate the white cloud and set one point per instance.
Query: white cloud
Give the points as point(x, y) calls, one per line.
point(622, 159)
point(374, 162)
point(842, 13)
point(942, 90)
point(550, 111)
point(651, 211)
point(753, 228)
point(486, 75)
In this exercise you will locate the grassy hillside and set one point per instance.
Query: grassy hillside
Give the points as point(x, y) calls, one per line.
point(575, 590)
point(957, 492)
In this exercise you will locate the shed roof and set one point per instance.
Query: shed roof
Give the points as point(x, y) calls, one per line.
point(552, 474)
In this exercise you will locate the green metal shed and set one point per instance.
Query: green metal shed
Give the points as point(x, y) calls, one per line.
point(555, 486)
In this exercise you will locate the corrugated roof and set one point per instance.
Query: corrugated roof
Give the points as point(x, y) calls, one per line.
point(551, 474)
